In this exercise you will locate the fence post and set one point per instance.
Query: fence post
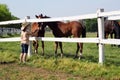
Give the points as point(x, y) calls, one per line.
point(30, 49)
point(101, 35)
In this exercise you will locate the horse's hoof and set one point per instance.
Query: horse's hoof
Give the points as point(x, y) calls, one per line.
point(80, 57)
point(42, 54)
point(55, 55)
point(61, 55)
point(75, 56)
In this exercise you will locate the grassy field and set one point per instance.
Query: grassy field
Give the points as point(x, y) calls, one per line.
point(50, 68)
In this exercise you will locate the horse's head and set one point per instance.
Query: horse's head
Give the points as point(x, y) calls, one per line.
point(117, 29)
point(37, 25)
point(42, 24)
point(39, 16)
point(34, 27)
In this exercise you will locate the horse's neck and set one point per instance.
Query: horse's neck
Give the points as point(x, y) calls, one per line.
point(42, 28)
point(116, 23)
point(53, 25)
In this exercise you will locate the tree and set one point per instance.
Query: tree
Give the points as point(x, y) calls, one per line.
point(5, 15)
point(91, 25)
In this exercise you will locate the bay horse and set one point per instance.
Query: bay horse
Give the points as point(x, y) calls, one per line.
point(61, 29)
point(37, 32)
point(111, 27)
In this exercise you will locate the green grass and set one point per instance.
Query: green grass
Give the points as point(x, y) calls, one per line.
point(86, 68)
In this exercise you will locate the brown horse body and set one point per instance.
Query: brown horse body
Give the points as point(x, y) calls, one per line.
point(38, 32)
point(109, 27)
point(61, 29)
point(112, 27)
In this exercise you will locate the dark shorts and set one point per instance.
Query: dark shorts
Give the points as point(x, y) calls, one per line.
point(24, 48)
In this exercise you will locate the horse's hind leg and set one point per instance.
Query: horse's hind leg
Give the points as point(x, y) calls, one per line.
point(42, 47)
point(79, 47)
point(60, 44)
point(77, 51)
point(56, 47)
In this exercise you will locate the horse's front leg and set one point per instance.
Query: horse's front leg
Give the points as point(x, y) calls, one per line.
point(60, 44)
point(106, 35)
point(111, 35)
point(42, 47)
point(77, 51)
point(56, 47)
point(36, 46)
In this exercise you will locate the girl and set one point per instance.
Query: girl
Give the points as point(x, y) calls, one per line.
point(25, 33)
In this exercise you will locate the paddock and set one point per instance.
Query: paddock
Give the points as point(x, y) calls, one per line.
point(100, 14)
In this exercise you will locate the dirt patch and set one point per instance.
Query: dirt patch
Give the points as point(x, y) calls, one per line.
point(25, 72)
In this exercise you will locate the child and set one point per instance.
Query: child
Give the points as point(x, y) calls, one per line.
point(25, 33)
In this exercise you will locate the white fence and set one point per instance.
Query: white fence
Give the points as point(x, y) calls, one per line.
point(113, 15)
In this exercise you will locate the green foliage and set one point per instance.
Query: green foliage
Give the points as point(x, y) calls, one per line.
point(91, 25)
point(6, 15)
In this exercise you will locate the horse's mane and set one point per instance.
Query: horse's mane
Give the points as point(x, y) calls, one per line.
point(116, 23)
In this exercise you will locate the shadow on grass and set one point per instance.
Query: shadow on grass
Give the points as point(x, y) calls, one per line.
point(112, 62)
point(5, 62)
point(89, 58)
point(70, 55)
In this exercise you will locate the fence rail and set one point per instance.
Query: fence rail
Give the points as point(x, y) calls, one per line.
point(100, 40)
point(84, 40)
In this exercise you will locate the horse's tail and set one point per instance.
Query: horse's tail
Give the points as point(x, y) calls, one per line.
point(84, 31)
point(117, 29)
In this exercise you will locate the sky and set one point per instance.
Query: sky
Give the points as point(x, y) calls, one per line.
point(58, 8)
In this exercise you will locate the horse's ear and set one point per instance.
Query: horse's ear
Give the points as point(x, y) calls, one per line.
point(36, 16)
point(45, 16)
point(41, 15)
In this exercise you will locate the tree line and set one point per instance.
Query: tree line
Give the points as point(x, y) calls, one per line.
point(91, 25)
point(6, 15)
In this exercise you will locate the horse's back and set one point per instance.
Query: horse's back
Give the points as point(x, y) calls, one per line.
point(109, 25)
point(78, 28)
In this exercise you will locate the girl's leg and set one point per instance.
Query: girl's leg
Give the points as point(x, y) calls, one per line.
point(24, 57)
point(21, 57)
